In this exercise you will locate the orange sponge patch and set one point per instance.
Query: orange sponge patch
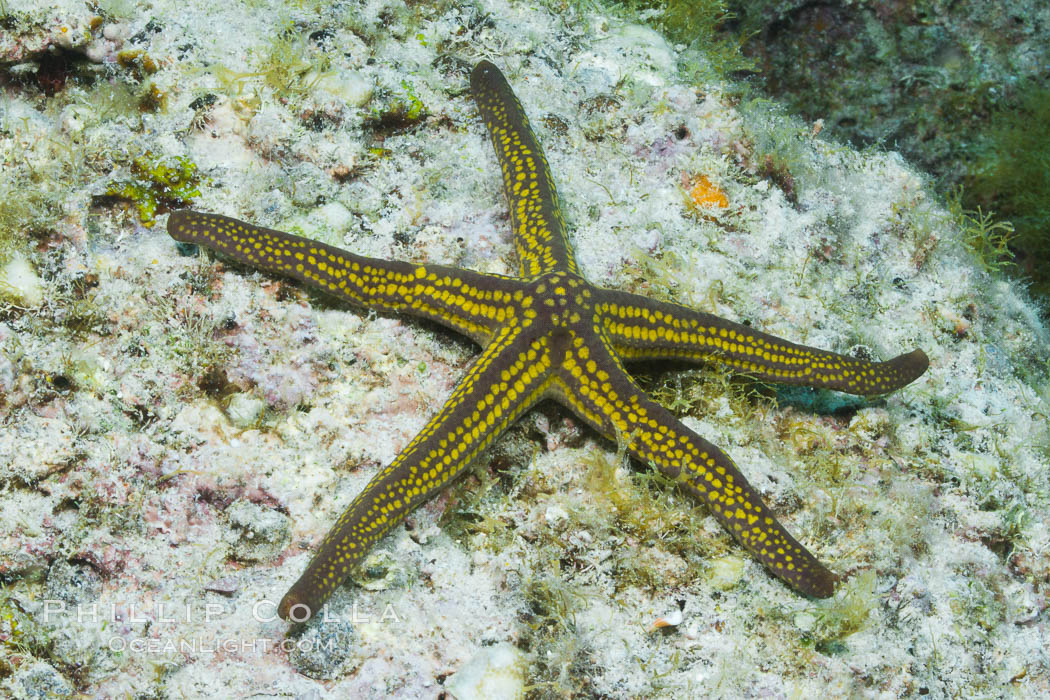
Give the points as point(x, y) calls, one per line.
point(704, 194)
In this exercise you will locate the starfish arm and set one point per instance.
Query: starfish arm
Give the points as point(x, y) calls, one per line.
point(535, 214)
point(508, 378)
point(642, 329)
point(471, 303)
point(591, 384)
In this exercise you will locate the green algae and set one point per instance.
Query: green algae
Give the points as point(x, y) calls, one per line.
point(1012, 174)
point(158, 182)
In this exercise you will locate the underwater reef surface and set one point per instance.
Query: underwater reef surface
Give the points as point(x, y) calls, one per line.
point(960, 89)
point(179, 432)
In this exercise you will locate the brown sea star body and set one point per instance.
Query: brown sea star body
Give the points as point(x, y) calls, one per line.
point(545, 334)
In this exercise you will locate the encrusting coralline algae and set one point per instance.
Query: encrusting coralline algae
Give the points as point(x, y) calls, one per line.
point(165, 415)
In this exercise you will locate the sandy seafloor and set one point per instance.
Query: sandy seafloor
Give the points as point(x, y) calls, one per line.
point(179, 433)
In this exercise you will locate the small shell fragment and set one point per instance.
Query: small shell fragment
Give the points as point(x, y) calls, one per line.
point(227, 585)
point(671, 619)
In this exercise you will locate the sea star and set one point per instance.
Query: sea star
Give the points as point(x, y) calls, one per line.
point(545, 334)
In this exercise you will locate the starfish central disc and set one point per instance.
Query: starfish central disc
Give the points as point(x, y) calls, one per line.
point(562, 300)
